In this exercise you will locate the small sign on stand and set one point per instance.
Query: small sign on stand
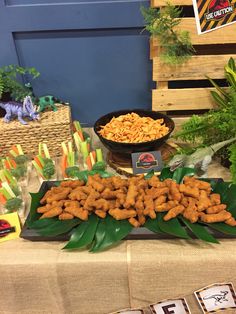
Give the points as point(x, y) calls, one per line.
point(213, 14)
point(146, 161)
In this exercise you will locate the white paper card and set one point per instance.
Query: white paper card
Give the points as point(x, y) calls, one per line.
point(171, 306)
point(219, 296)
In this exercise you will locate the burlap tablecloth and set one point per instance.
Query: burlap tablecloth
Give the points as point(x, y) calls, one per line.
point(38, 277)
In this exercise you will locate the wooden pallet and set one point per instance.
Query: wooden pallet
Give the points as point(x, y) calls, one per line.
point(213, 50)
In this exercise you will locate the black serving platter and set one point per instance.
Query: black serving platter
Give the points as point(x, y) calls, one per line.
point(135, 234)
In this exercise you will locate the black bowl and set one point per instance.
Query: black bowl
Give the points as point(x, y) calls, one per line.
point(128, 148)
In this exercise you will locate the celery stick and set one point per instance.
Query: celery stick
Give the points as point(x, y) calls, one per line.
point(37, 167)
point(10, 177)
point(72, 159)
point(13, 153)
point(84, 149)
point(70, 147)
point(5, 193)
point(99, 154)
point(77, 126)
point(46, 152)
point(6, 186)
point(77, 142)
point(64, 148)
point(40, 149)
point(92, 159)
point(2, 176)
point(20, 149)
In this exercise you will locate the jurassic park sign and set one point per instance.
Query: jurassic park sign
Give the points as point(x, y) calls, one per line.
point(213, 14)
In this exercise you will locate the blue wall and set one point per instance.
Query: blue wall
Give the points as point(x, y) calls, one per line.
point(90, 53)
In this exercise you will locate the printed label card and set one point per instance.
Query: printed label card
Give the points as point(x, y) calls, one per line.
point(9, 227)
point(171, 306)
point(216, 297)
point(213, 14)
point(147, 161)
point(130, 311)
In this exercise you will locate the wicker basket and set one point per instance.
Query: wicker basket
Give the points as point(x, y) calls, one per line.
point(52, 129)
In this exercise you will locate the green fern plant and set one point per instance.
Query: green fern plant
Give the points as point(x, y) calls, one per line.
point(10, 81)
point(175, 45)
point(218, 124)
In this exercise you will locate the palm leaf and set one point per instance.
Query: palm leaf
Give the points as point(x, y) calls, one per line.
point(172, 227)
point(84, 234)
point(58, 227)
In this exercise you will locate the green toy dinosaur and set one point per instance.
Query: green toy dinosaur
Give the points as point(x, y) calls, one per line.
point(200, 159)
point(47, 102)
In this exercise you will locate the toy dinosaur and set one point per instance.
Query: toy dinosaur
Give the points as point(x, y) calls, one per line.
point(200, 159)
point(48, 101)
point(20, 110)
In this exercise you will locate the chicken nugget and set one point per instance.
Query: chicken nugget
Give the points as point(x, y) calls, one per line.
point(131, 196)
point(72, 183)
point(166, 206)
point(157, 192)
point(109, 194)
point(47, 194)
point(155, 182)
point(191, 213)
point(219, 217)
point(96, 185)
point(139, 204)
point(174, 212)
point(189, 191)
point(215, 199)
point(204, 201)
point(184, 201)
point(118, 182)
point(141, 219)
point(77, 195)
point(160, 200)
point(60, 195)
point(69, 203)
point(100, 213)
point(42, 209)
point(174, 193)
point(65, 216)
point(231, 222)
point(55, 211)
point(134, 222)
point(216, 209)
point(193, 182)
point(120, 214)
point(77, 212)
point(101, 204)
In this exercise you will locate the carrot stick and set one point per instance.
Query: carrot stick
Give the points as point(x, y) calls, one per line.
point(64, 165)
point(2, 199)
point(13, 163)
point(15, 149)
point(80, 133)
point(88, 163)
point(38, 162)
point(7, 164)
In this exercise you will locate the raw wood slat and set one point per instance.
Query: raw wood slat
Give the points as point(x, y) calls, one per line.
point(194, 69)
point(162, 3)
point(182, 99)
point(224, 35)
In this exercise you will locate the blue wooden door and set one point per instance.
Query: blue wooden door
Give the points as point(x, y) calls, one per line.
point(91, 53)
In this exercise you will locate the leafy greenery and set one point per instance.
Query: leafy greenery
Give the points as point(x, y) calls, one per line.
point(48, 169)
point(13, 204)
point(218, 124)
point(98, 234)
point(175, 45)
point(72, 172)
point(10, 81)
point(19, 171)
point(21, 159)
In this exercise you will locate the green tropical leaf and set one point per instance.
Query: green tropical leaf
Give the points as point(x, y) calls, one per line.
point(152, 225)
point(149, 174)
point(223, 228)
point(176, 175)
point(58, 227)
point(35, 203)
point(100, 165)
point(172, 227)
point(83, 235)
point(109, 232)
point(199, 231)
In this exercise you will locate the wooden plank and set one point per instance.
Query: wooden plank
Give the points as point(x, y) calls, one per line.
point(182, 99)
point(194, 69)
point(162, 3)
point(225, 35)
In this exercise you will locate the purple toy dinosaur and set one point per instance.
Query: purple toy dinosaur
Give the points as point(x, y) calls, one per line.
point(20, 110)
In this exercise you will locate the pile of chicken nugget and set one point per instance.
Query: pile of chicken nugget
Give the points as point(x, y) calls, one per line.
point(135, 199)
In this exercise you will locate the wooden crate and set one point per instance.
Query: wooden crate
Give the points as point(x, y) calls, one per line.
point(52, 129)
point(213, 50)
